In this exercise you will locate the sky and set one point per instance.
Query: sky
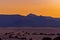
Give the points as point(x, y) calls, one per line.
point(37, 7)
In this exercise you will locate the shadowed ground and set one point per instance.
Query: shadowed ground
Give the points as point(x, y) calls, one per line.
point(22, 33)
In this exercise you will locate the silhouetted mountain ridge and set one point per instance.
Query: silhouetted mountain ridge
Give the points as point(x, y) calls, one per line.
point(30, 20)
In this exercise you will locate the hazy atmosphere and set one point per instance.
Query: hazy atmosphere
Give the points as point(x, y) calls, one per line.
point(24, 7)
point(29, 19)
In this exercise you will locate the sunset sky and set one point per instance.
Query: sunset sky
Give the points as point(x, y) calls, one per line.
point(24, 7)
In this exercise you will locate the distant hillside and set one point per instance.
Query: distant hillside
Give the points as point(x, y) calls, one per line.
point(30, 20)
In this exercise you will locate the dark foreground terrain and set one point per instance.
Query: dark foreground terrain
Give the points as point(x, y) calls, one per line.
point(13, 33)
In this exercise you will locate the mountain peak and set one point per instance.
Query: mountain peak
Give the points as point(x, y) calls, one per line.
point(31, 14)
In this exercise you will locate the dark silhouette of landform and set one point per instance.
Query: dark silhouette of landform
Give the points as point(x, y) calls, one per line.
point(30, 20)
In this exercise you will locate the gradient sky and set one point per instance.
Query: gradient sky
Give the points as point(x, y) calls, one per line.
point(24, 7)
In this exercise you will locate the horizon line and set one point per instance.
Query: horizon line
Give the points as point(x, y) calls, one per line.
point(27, 15)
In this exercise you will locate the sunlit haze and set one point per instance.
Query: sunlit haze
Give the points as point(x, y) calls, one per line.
point(24, 7)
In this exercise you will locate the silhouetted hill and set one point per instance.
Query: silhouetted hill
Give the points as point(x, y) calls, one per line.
point(30, 20)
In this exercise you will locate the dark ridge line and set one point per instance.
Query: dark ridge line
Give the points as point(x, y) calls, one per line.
point(27, 15)
point(23, 16)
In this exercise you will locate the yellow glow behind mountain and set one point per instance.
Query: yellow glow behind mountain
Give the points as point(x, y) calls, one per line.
point(24, 7)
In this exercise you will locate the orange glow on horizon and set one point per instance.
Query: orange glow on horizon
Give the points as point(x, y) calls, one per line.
point(24, 7)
